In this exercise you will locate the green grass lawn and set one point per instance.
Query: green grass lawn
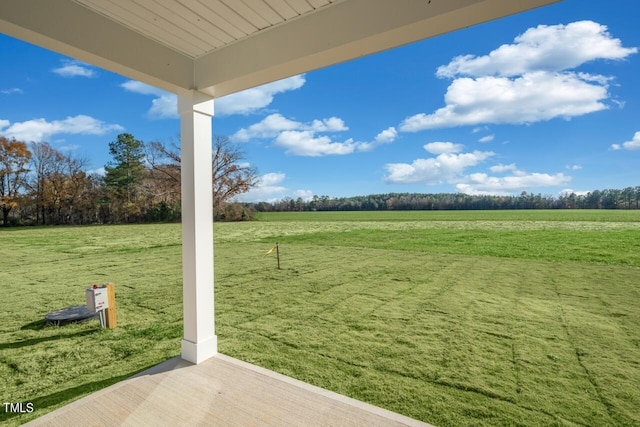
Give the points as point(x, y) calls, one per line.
point(453, 318)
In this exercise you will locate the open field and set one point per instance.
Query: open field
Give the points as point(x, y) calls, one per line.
point(454, 318)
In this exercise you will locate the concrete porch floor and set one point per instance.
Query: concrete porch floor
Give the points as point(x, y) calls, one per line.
point(221, 391)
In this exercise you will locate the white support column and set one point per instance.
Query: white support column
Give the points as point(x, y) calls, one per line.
point(200, 341)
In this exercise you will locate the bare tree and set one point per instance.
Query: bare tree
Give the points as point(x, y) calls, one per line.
point(165, 169)
point(45, 161)
point(75, 190)
point(58, 185)
point(232, 176)
point(14, 156)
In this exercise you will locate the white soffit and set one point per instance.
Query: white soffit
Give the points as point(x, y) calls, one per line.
point(224, 46)
point(197, 27)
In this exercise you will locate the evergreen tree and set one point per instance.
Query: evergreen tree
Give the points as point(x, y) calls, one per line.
point(125, 173)
point(123, 177)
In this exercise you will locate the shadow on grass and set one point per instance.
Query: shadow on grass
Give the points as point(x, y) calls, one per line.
point(34, 341)
point(43, 402)
point(39, 325)
point(34, 326)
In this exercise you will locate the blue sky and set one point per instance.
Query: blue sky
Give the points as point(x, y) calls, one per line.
point(544, 101)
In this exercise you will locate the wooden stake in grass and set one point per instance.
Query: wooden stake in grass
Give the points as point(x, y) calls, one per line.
point(110, 312)
point(277, 249)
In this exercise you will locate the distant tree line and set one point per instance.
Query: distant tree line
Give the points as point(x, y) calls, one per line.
point(40, 185)
point(627, 198)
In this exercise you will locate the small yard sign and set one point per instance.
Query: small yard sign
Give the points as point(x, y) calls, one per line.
point(97, 299)
point(102, 300)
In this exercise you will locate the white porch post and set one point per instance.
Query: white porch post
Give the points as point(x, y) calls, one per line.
point(199, 342)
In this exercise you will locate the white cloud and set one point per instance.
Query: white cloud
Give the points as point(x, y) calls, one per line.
point(251, 100)
point(142, 88)
point(531, 98)
point(481, 183)
point(449, 167)
point(546, 47)
point(270, 188)
point(573, 167)
point(479, 129)
point(302, 139)
point(164, 107)
point(503, 168)
point(74, 69)
point(487, 138)
point(387, 136)
point(332, 124)
point(634, 144)
point(568, 191)
point(100, 171)
point(306, 195)
point(272, 125)
point(269, 127)
point(446, 167)
point(527, 81)
point(271, 179)
point(443, 147)
point(41, 130)
point(165, 104)
point(11, 91)
point(305, 143)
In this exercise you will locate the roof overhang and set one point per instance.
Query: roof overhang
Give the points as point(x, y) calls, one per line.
point(324, 32)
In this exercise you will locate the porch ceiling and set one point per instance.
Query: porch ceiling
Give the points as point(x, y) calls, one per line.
point(224, 46)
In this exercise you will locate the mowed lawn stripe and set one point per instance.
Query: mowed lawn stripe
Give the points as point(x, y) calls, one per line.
point(418, 316)
point(487, 326)
point(599, 246)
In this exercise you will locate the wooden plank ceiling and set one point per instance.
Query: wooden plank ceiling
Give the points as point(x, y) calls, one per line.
point(220, 47)
point(197, 27)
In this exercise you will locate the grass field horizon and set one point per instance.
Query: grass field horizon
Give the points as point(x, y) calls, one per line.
point(450, 317)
